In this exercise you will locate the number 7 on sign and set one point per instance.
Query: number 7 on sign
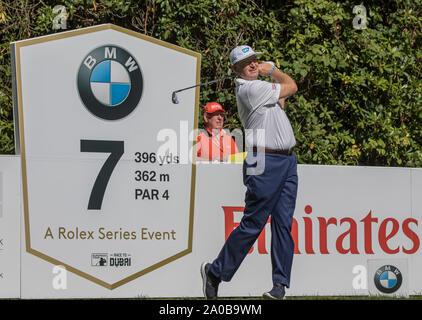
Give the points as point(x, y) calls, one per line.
point(116, 150)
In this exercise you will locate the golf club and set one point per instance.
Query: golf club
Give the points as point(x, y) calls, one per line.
point(175, 98)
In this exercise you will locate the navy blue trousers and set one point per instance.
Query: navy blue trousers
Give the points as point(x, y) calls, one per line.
point(270, 193)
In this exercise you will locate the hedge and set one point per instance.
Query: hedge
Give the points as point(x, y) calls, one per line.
point(360, 90)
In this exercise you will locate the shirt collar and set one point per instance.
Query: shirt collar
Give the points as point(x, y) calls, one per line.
point(222, 132)
point(240, 81)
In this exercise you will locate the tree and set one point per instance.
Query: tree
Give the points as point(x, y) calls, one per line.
point(360, 90)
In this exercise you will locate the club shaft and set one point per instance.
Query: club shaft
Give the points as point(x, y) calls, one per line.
point(203, 83)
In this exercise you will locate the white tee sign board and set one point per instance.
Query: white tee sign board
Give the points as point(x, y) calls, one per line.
point(101, 196)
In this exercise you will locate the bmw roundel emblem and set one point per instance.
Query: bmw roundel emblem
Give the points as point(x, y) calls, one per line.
point(388, 279)
point(110, 82)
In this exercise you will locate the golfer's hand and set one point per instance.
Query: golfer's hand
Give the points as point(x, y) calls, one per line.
point(264, 69)
point(282, 101)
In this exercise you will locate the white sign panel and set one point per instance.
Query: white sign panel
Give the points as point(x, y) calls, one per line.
point(102, 196)
point(415, 263)
point(10, 212)
point(345, 218)
point(356, 230)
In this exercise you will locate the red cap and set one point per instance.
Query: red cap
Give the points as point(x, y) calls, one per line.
point(212, 107)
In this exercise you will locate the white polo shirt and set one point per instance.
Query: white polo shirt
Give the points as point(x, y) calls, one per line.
point(265, 122)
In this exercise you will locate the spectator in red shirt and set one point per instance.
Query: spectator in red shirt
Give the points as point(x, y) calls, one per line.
point(214, 143)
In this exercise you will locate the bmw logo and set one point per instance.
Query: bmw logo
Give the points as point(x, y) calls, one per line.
point(388, 279)
point(110, 82)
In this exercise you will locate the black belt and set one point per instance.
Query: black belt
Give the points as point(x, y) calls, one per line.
point(277, 151)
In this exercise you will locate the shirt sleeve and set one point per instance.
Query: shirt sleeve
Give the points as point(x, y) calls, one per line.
point(263, 93)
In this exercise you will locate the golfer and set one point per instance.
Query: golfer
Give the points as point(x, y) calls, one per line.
point(271, 191)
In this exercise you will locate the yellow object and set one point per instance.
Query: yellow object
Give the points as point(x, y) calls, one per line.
point(238, 157)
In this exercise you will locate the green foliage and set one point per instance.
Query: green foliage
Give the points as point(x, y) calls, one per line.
point(360, 91)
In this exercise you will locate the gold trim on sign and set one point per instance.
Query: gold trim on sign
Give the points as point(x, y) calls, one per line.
point(72, 33)
point(22, 146)
point(193, 177)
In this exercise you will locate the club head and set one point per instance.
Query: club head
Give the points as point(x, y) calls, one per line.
point(174, 98)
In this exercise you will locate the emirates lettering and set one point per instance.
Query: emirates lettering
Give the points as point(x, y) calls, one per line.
point(344, 233)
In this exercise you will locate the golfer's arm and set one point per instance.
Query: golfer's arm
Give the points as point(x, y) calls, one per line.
point(288, 85)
